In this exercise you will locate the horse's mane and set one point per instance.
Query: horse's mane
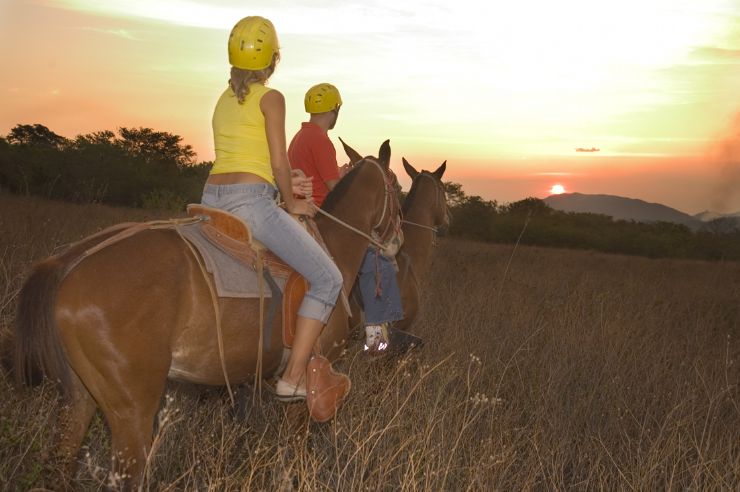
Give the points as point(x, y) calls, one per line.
point(340, 189)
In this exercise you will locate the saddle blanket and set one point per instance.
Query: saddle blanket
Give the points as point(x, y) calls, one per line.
point(231, 277)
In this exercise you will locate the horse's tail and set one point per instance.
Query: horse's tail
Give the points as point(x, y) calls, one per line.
point(38, 349)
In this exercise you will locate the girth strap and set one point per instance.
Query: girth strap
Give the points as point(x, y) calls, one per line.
point(276, 301)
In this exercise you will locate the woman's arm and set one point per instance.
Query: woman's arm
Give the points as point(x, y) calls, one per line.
point(273, 107)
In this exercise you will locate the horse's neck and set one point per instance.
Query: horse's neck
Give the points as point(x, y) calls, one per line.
point(358, 209)
point(417, 245)
point(418, 241)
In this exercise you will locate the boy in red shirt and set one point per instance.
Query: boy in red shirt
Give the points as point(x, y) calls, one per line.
point(312, 152)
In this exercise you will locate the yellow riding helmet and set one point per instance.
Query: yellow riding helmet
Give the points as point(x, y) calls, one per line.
point(252, 43)
point(322, 98)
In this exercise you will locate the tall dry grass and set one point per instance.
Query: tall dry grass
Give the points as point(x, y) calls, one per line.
point(576, 370)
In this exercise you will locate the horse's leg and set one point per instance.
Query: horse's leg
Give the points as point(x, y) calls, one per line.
point(127, 380)
point(130, 410)
point(72, 423)
point(356, 322)
point(131, 434)
point(410, 303)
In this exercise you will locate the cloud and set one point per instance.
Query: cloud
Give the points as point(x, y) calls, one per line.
point(714, 54)
point(556, 174)
point(122, 33)
point(290, 17)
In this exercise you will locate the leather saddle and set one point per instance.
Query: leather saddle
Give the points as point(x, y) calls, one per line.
point(327, 388)
point(233, 236)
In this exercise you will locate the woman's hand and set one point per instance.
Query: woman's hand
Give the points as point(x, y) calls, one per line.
point(301, 207)
point(344, 169)
point(301, 184)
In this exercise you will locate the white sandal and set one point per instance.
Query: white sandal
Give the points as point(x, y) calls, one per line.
point(287, 393)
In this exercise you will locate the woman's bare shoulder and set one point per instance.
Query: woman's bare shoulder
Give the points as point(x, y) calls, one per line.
point(273, 95)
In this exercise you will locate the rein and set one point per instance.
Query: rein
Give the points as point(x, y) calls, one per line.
point(351, 228)
point(431, 228)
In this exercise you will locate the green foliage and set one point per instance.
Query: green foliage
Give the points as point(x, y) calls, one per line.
point(455, 194)
point(531, 221)
point(163, 199)
point(161, 148)
point(141, 167)
point(473, 218)
point(137, 167)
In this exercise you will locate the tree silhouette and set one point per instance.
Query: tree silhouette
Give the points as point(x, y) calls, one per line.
point(155, 147)
point(455, 194)
point(35, 135)
point(136, 167)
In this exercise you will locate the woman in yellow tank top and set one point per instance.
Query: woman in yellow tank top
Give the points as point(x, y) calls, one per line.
point(251, 165)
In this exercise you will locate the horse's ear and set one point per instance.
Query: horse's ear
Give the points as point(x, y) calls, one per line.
point(384, 154)
point(440, 171)
point(409, 168)
point(353, 155)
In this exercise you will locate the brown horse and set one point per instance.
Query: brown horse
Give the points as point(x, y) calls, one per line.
point(114, 326)
point(425, 215)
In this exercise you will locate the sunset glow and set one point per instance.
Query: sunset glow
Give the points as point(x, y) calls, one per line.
point(503, 91)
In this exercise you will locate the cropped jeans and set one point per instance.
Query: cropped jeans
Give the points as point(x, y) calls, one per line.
point(281, 234)
point(381, 298)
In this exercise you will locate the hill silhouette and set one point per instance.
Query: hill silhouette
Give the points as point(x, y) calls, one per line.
point(621, 208)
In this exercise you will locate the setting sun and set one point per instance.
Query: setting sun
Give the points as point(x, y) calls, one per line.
point(557, 189)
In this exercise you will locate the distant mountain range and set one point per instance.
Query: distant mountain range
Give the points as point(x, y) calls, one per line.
point(707, 216)
point(621, 208)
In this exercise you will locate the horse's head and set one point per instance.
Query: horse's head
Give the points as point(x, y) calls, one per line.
point(428, 190)
point(371, 182)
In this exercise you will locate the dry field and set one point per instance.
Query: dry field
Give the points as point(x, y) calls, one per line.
point(544, 369)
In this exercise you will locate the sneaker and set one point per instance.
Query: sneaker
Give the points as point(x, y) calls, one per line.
point(287, 393)
point(376, 339)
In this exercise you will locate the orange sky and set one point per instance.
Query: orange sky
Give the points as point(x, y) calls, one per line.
point(504, 93)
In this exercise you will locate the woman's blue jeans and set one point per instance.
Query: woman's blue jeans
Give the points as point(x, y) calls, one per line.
point(281, 234)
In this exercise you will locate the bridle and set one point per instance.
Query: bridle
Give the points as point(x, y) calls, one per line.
point(391, 206)
point(439, 195)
